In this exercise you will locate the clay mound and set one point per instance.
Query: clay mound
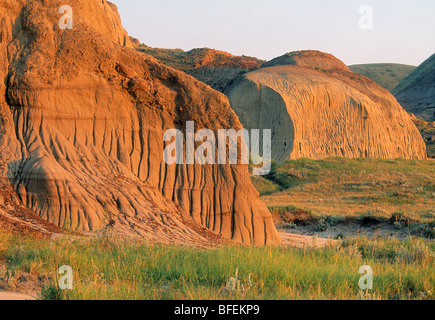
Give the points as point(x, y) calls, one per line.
point(315, 112)
point(416, 93)
point(83, 118)
point(310, 59)
point(216, 68)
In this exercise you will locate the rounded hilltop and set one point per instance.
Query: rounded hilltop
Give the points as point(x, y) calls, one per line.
point(308, 58)
point(317, 107)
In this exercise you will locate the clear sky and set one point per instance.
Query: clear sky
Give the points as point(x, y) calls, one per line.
point(403, 30)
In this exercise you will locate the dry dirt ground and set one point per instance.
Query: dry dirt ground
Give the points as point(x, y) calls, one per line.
point(347, 228)
point(11, 296)
point(301, 241)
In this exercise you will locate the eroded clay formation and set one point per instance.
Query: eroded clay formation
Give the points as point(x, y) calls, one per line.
point(317, 108)
point(82, 123)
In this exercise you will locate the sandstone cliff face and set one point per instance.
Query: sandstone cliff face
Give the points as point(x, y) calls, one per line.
point(83, 118)
point(416, 93)
point(316, 107)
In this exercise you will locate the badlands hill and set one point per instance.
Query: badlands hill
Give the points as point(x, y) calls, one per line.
point(81, 134)
point(216, 68)
point(416, 93)
point(387, 75)
point(316, 108)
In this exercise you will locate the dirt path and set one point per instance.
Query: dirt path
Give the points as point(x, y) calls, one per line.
point(300, 241)
point(9, 296)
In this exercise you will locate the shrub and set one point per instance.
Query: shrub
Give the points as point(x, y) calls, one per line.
point(51, 292)
point(328, 221)
point(289, 225)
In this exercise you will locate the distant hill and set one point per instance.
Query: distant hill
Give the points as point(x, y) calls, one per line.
point(416, 93)
point(216, 68)
point(387, 75)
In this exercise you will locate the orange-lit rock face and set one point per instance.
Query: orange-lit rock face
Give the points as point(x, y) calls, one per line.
point(83, 118)
point(318, 108)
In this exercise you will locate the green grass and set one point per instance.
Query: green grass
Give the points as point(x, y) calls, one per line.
point(331, 188)
point(282, 209)
point(294, 173)
point(351, 187)
point(264, 186)
point(109, 270)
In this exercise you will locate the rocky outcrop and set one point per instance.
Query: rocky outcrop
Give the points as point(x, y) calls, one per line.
point(81, 133)
point(416, 93)
point(316, 108)
point(216, 68)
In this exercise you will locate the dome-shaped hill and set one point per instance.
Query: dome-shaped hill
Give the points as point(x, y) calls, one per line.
point(310, 59)
point(316, 107)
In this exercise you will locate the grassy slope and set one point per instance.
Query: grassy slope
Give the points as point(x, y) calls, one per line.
point(202, 57)
point(108, 270)
point(347, 187)
point(387, 75)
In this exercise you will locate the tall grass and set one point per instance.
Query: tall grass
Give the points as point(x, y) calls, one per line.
point(105, 269)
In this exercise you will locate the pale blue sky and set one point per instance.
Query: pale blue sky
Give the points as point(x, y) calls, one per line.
point(403, 30)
